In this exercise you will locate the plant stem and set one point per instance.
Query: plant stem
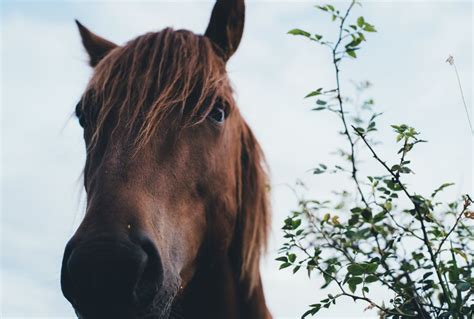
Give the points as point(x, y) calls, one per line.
point(341, 106)
point(343, 291)
point(458, 219)
point(462, 96)
point(420, 217)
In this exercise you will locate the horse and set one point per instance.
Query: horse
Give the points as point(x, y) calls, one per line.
point(177, 211)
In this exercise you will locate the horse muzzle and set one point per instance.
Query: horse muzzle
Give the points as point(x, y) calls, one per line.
point(110, 277)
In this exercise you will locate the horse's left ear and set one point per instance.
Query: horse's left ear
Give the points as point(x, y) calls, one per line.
point(96, 47)
point(226, 26)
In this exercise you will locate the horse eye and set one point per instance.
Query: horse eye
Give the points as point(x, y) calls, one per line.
point(217, 115)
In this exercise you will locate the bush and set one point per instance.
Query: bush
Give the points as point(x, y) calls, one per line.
point(421, 253)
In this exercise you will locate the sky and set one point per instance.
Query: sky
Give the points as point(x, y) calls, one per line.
point(44, 71)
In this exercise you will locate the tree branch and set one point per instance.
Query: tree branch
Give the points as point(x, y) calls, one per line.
point(418, 212)
point(341, 105)
point(467, 202)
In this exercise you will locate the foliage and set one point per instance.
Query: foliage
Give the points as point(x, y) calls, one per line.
point(383, 236)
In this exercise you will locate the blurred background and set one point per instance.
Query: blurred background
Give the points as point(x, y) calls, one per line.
point(44, 71)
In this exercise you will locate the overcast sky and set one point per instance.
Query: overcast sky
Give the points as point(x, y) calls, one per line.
point(44, 71)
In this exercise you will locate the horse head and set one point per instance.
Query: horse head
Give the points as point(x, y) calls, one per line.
point(177, 213)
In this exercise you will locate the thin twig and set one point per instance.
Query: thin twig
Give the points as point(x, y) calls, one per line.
point(450, 60)
point(411, 232)
point(341, 106)
point(420, 217)
point(345, 293)
point(458, 219)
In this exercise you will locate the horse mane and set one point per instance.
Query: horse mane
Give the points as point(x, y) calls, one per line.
point(254, 210)
point(151, 77)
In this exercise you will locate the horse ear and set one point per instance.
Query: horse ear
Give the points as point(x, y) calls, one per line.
point(96, 47)
point(226, 26)
point(253, 220)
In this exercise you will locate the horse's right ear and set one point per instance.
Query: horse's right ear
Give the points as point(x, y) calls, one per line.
point(96, 47)
point(226, 26)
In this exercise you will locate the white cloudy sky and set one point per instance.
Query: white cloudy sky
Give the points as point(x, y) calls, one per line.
point(44, 71)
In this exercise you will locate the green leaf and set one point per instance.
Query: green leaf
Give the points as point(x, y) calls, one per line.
point(322, 8)
point(371, 268)
point(360, 130)
point(354, 219)
point(317, 170)
point(379, 217)
point(285, 265)
point(367, 215)
point(351, 53)
point(369, 28)
point(314, 93)
point(463, 286)
point(353, 44)
point(352, 288)
point(429, 273)
point(360, 22)
point(321, 102)
point(371, 278)
point(353, 282)
point(442, 187)
point(355, 269)
point(307, 313)
point(356, 210)
point(314, 309)
point(283, 259)
point(460, 253)
point(299, 32)
point(296, 223)
point(319, 108)
point(318, 37)
point(291, 258)
point(453, 275)
point(395, 168)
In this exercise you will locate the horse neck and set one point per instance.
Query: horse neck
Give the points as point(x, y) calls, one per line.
point(216, 292)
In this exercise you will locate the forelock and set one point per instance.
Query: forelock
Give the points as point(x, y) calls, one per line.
point(173, 75)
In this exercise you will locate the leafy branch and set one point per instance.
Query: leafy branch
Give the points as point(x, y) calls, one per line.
point(356, 241)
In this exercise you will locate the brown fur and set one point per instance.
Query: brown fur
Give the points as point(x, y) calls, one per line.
point(153, 78)
point(152, 151)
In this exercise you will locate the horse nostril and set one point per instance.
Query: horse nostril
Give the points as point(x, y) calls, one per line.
point(110, 274)
point(151, 279)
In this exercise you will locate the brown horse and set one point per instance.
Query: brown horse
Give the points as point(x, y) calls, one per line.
point(177, 213)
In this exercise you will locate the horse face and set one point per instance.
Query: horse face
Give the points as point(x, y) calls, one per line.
point(164, 168)
point(148, 217)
